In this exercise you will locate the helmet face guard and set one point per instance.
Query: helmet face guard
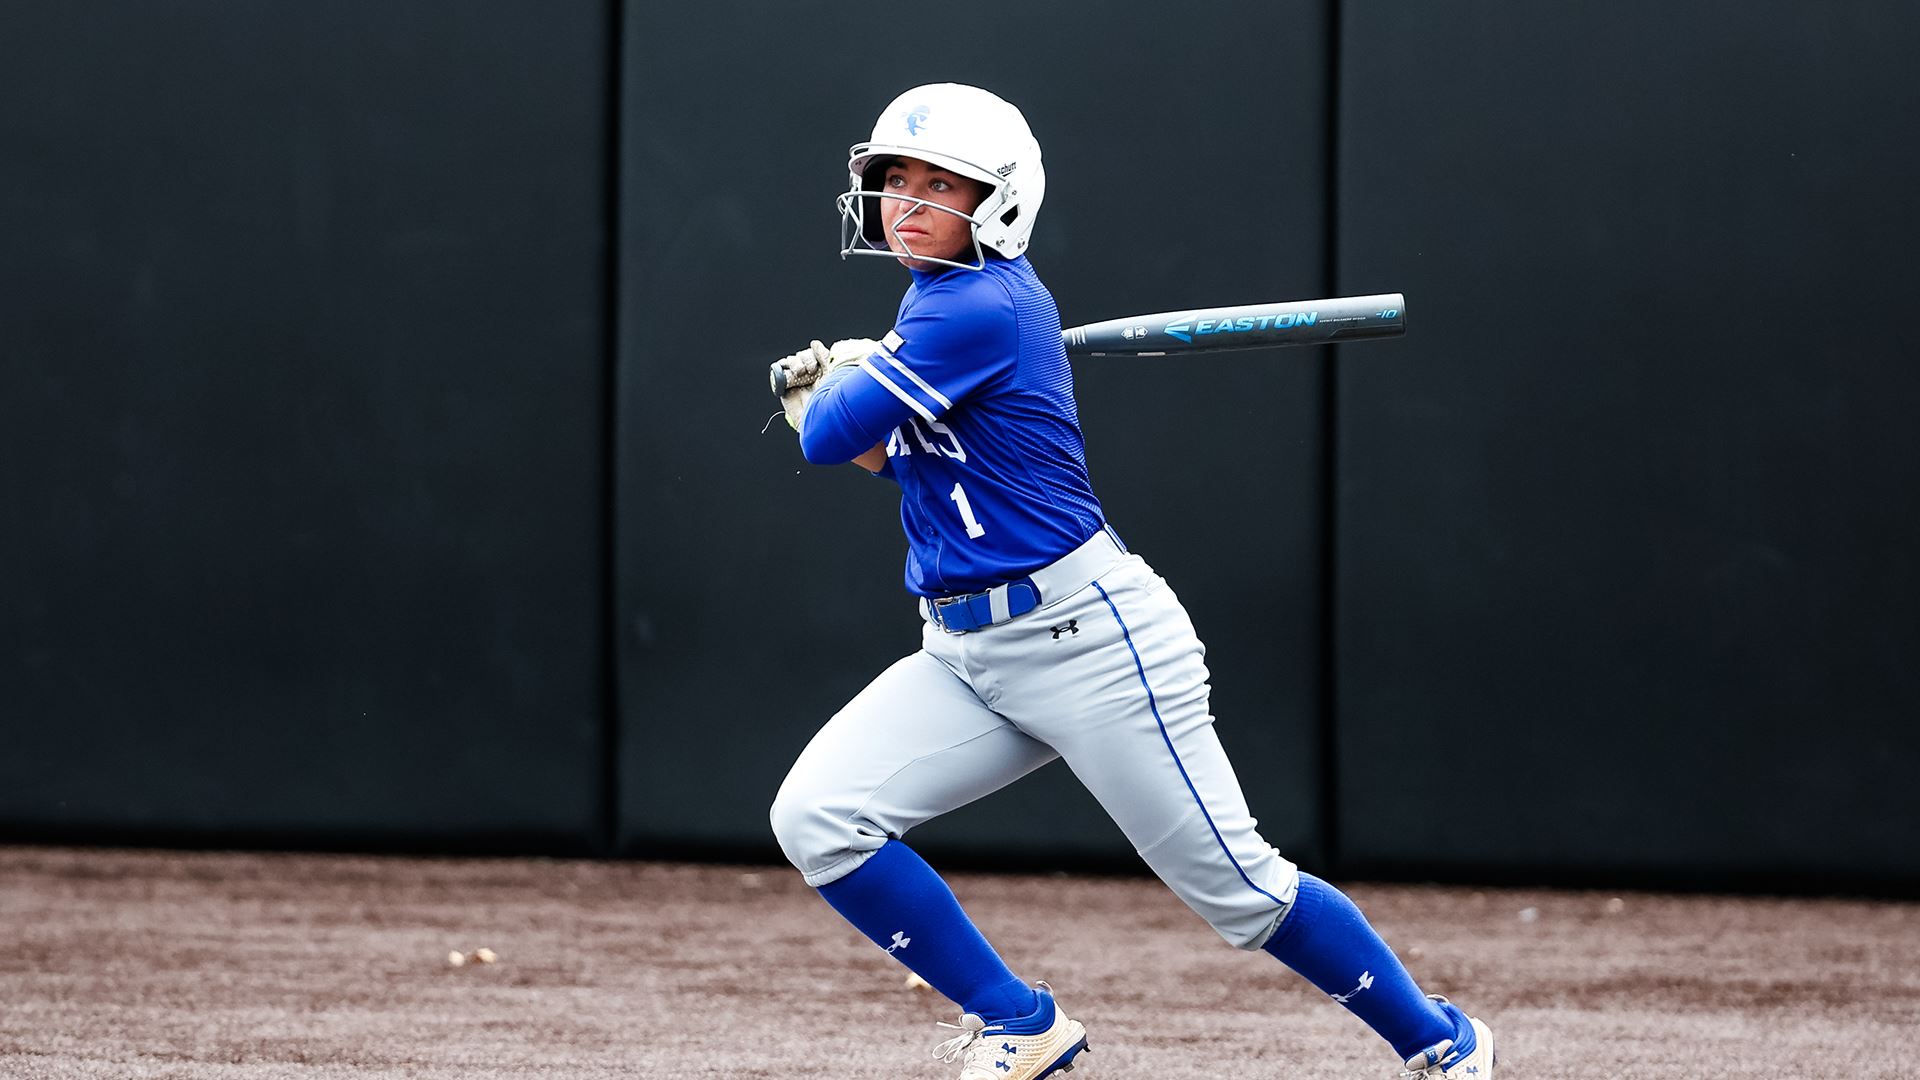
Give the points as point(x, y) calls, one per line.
point(864, 228)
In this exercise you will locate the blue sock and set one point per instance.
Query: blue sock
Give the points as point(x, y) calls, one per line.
point(897, 900)
point(1326, 939)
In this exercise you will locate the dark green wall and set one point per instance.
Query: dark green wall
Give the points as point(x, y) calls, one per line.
point(1630, 525)
point(302, 439)
point(381, 408)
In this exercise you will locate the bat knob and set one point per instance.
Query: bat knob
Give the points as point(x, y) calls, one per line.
point(777, 378)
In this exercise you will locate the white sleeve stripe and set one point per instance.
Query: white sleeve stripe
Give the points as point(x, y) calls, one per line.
point(866, 365)
point(917, 380)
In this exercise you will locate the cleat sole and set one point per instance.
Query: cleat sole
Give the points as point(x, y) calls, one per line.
point(1065, 1062)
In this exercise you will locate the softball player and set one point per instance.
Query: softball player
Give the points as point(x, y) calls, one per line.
point(1044, 637)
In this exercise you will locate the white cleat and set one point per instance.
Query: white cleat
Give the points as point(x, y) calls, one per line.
point(1439, 1062)
point(993, 1052)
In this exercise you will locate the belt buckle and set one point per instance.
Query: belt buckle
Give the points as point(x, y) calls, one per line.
point(940, 606)
point(936, 608)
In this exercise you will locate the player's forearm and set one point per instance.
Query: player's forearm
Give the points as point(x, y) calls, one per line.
point(847, 416)
point(873, 460)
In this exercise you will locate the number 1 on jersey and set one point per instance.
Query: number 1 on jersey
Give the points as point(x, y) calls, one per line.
point(975, 530)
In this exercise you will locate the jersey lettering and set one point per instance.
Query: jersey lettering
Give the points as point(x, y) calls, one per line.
point(948, 446)
point(951, 447)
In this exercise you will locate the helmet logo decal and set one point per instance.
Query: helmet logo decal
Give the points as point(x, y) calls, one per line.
point(1006, 169)
point(917, 120)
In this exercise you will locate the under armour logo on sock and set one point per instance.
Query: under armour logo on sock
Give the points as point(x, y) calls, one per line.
point(900, 940)
point(1366, 982)
point(1072, 627)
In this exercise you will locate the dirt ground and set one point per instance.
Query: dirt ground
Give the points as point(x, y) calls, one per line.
point(250, 967)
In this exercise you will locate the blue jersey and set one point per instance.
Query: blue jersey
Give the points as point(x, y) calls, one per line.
point(973, 396)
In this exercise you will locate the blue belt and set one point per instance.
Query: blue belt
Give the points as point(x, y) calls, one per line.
point(959, 614)
point(1053, 582)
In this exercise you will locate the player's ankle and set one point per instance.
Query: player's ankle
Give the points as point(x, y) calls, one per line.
point(1464, 1037)
point(1013, 1003)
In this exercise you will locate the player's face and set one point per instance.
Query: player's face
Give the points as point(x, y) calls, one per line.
point(913, 229)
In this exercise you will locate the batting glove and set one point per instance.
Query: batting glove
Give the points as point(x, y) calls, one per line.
point(798, 377)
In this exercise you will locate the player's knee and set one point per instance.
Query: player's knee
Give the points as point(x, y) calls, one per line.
point(805, 829)
point(788, 817)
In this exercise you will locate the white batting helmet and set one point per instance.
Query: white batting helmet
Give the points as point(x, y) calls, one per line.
point(967, 131)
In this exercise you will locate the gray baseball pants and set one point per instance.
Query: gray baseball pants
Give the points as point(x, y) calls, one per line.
point(1110, 676)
